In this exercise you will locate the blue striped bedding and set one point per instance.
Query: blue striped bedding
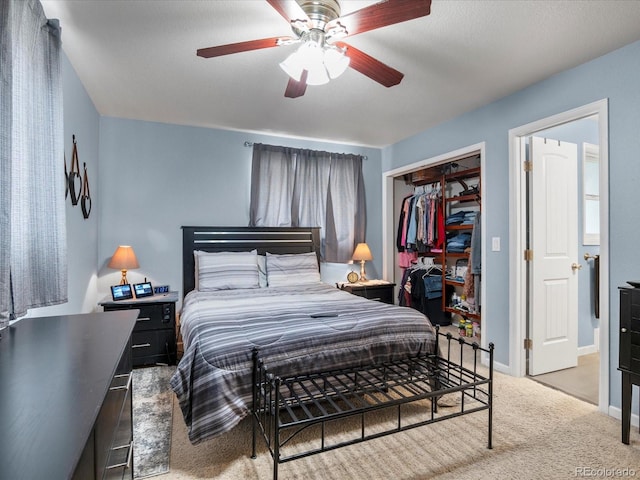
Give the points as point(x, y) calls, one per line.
point(220, 329)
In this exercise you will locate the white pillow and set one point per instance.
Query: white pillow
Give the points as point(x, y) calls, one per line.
point(292, 269)
point(262, 271)
point(225, 270)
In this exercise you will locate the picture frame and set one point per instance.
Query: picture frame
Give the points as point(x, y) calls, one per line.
point(121, 292)
point(143, 289)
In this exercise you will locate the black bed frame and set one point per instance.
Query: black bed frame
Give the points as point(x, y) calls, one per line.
point(240, 239)
point(283, 407)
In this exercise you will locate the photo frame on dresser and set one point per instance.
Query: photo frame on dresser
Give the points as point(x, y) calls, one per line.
point(121, 292)
point(143, 289)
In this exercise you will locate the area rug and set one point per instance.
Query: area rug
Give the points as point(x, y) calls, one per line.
point(152, 420)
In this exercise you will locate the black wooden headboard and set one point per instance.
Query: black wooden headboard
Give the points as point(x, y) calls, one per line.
point(234, 239)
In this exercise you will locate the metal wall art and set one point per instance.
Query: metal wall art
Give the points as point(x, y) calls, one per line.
point(76, 185)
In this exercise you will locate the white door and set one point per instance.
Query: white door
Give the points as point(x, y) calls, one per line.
point(553, 293)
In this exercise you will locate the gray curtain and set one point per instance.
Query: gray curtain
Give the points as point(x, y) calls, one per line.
point(33, 258)
point(307, 188)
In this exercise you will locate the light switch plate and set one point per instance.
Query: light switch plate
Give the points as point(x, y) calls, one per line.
point(495, 244)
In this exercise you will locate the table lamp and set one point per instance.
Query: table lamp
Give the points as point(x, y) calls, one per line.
point(362, 254)
point(124, 258)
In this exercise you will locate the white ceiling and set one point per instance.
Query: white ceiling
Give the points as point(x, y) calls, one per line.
point(137, 59)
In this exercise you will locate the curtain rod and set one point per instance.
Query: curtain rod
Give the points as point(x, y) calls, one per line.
point(250, 144)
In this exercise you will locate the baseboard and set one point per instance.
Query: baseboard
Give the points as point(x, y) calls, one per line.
point(589, 349)
point(616, 412)
point(502, 368)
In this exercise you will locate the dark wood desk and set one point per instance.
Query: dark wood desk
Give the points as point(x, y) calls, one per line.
point(55, 373)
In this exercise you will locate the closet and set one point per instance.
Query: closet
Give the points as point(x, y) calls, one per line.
point(438, 242)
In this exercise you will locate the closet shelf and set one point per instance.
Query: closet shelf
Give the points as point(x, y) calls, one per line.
point(474, 197)
point(461, 191)
point(463, 313)
point(457, 254)
point(462, 174)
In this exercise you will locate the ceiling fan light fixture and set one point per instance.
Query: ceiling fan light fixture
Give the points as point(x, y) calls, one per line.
point(317, 75)
point(322, 63)
point(293, 65)
point(335, 61)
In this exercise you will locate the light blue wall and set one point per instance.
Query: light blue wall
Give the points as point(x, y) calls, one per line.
point(613, 76)
point(157, 177)
point(153, 178)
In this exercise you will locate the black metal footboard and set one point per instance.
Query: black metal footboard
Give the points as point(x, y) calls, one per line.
point(285, 408)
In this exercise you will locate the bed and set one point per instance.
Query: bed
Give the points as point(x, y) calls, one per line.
point(242, 332)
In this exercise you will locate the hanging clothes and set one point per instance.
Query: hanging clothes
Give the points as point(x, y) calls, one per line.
point(420, 225)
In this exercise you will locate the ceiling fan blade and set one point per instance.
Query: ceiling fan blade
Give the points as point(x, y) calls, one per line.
point(289, 9)
point(381, 14)
point(372, 68)
point(240, 47)
point(296, 88)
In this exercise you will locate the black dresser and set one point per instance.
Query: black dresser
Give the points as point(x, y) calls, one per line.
point(66, 397)
point(629, 358)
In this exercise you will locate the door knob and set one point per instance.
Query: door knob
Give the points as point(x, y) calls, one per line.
point(623, 330)
point(575, 266)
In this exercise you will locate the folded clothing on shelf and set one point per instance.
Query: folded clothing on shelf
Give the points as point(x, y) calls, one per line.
point(459, 242)
point(462, 217)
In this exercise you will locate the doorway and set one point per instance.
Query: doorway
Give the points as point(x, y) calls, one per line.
point(520, 262)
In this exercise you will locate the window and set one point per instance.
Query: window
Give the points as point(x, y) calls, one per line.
point(306, 188)
point(591, 194)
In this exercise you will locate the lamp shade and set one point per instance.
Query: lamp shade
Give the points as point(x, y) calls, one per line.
point(124, 258)
point(362, 252)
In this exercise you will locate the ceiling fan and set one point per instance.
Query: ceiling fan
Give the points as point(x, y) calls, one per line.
point(319, 28)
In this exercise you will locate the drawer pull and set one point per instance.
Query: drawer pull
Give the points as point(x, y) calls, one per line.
point(127, 463)
point(143, 319)
point(123, 387)
point(141, 345)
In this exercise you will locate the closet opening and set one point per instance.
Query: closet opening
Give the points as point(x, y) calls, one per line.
point(436, 262)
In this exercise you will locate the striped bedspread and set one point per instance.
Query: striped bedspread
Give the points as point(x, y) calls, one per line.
point(221, 328)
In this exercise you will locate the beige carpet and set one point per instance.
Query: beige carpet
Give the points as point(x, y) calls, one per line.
point(539, 433)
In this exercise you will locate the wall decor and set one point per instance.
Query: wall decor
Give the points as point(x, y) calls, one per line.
point(74, 175)
point(85, 200)
point(66, 178)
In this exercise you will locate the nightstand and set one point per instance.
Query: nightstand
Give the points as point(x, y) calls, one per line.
point(373, 290)
point(154, 336)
